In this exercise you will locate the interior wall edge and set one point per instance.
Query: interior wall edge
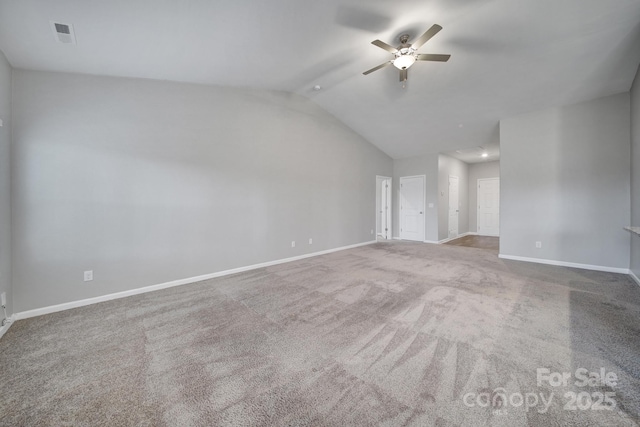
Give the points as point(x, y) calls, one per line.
point(6, 206)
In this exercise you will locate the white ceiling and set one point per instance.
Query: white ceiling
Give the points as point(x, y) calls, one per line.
point(475, 154)
point(508, 56)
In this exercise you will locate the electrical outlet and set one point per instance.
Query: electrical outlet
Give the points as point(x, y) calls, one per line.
point(293, 244)
point(372, 231)
point(88, 275)
point(310, 241)
point(3, 299)
point(539, 245)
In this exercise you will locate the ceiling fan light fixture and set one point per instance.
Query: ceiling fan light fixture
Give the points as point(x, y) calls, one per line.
point(406, 54)
point(402, 62)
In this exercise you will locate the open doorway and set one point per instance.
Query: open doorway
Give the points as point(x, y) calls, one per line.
point(469, 205)
point(383, 207)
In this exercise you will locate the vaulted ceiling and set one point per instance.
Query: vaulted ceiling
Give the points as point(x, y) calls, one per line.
point(508, 56)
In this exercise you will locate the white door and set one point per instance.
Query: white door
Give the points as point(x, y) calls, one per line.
point(489, 207)
point(385, 213)
point(412, 208)
point(454, 205)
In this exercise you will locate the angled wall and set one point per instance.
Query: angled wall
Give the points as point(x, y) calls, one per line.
point(565, 181)
point(146, 182)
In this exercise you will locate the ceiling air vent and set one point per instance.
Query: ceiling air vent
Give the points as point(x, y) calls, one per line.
point(63, 32)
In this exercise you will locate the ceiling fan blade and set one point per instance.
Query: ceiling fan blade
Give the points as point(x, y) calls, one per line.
point(377, 68)
point(433, 57)
point(435, 29)
point(384, 46)
point(403, 75)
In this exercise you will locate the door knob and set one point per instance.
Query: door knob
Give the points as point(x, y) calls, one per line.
point(420, 213)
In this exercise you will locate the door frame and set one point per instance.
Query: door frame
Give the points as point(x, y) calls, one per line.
point(478, 205)
point(424, 204)
point(449, 236)
point(389, 234)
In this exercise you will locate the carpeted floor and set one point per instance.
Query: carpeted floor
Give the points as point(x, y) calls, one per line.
point(391, 334)
point(480, 242)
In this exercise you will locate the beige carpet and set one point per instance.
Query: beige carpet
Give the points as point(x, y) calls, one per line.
point(480, 242)
point(392, 334)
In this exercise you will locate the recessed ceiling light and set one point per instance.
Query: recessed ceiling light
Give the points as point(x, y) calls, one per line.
point(460, 125)
point(485, 155)
point(317, 87)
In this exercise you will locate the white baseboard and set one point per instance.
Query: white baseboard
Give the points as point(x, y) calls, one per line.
point(6, 327)
point(137, 291)
point(634, 277)
point(566, 264)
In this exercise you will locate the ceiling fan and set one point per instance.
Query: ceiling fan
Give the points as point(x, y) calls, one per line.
point(406, 54)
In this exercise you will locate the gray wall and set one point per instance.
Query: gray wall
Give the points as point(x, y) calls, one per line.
point(449, 166)
point(478, 171)
point(635, 173)
point(146, 182)
point(565, 181)
point(422, 165)
point(5, 182)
